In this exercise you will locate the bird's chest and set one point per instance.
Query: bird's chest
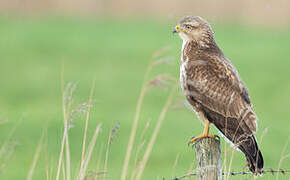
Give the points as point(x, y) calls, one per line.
point(183, 74)
point(191, 64)
point(183, 67)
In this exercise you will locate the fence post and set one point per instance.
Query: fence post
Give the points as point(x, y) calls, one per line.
point(208, 159)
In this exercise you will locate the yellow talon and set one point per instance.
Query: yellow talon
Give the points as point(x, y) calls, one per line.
point(204, 134)
point(200, 137)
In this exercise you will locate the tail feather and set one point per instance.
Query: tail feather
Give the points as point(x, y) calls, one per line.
point(253, 155)
point(240, 135)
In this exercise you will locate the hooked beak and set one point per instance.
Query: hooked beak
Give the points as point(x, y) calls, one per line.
point(176, 29)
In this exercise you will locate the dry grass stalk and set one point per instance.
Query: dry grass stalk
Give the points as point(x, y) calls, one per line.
point(8, 151)
point(133, 133)
point(67, 120)
point(65, 128)
point(160, 52)
point(135, 124)
point(6, 143)
point(68, 113)
point(145, 158)
point(189, 171)
point(144, 89)
point(8, 147)
point(49, 170)
point(60, 157)
point(283, 156)
point(224, 168)
point(110, 140)
point(230, 165)
point(63, 170)
point(89, 153)
point(107, 155)
point(99, 160)
point(86, 128)
point(168, 60)
point(263, 134)
point(139, 148)
point(35, 158)
point(65, 142)
point(175, 164)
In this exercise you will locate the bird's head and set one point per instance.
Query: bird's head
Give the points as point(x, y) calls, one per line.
point(194, 28)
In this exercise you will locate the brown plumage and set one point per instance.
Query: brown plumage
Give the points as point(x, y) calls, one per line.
point(214, 89)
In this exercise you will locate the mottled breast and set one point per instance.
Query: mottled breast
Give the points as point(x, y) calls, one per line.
point(183, 67)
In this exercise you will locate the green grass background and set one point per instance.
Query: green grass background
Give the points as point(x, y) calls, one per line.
point(116, 53)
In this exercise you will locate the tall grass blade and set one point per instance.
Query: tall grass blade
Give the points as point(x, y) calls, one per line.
point(135, 124)
point(86, 127)
point(35, 158)
point(89, 153)
point(154, 135)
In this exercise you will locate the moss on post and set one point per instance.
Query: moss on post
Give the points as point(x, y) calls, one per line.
point(208, 159)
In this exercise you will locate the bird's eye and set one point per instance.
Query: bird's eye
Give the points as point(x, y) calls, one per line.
point(188, 26)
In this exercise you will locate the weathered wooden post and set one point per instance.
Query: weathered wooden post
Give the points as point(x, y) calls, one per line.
point(208, 159)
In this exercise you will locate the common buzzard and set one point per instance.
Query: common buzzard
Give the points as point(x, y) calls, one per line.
point(213, 88)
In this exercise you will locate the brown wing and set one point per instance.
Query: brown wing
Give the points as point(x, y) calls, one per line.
point(215, 84)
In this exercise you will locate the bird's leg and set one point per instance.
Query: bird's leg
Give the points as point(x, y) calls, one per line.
point(204, 134)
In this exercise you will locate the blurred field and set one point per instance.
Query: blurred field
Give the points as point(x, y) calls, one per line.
point(116, 53)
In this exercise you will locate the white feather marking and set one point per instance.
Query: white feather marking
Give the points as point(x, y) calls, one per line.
point(232, 98)
point(199, 115)
point(198, 62)
point(183, 36)
point(183, 65)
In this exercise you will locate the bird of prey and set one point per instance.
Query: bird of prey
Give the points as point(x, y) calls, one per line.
point(213, 88)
